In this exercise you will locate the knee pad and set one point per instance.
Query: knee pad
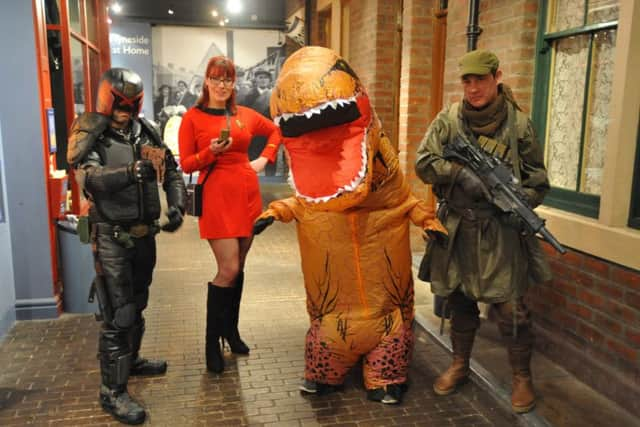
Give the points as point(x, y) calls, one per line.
point(124, 317)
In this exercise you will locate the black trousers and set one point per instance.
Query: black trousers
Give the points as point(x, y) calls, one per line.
point(127, 274)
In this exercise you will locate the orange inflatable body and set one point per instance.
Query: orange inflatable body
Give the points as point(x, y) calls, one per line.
point(352, 208)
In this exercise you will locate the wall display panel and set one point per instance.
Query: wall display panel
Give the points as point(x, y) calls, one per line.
point(2, 214)
point(180, 56)
point(130, 44)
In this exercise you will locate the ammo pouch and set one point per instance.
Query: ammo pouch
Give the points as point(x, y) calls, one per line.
point(84, 229)
point(424, 270)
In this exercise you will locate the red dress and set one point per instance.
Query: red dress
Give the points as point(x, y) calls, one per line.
point(231, 196)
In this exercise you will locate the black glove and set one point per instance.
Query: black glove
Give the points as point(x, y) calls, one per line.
point(175, 220)
point(472, 185)
point(438, 237)
point(514, 220)
point(261, 224)
point(143, 170)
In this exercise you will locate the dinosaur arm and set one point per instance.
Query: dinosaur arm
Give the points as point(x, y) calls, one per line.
point(283, 210)
point(423, 216)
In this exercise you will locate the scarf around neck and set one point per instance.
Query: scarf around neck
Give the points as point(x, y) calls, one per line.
point(488, 120)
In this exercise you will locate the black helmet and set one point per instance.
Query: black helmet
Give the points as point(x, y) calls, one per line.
point(120, 88)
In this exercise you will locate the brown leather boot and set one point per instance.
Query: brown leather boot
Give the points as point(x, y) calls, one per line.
point(523, 398)
point(458, 371)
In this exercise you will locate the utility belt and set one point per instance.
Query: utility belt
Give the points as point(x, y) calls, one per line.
point(124, 234)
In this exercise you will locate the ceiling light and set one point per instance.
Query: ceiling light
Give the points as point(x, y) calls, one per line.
point(109, 21)
point(254, 17)
point(170, 11)
point(234, 6)
point(214, 13)
point(116, 7)
point(221, 22)
point(226, 20)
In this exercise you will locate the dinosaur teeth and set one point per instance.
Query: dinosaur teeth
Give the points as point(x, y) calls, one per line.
point(334, 103)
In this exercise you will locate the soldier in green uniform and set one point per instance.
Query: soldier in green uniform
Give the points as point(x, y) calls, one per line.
point(488, 256)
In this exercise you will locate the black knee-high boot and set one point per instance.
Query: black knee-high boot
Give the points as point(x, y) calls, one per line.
point(232, 335)
point(218, 309)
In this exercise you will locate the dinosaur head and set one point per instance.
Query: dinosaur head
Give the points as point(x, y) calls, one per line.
point(328, 126)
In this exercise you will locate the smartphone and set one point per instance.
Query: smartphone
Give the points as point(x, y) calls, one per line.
point(224, 136)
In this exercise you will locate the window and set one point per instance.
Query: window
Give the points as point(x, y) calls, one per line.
point(574, 76)
point(77, 40)
point(634, 215)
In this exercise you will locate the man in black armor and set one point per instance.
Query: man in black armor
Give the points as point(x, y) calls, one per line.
point(110, 151)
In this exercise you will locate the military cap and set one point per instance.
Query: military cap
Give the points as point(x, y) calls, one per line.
point(479, 62)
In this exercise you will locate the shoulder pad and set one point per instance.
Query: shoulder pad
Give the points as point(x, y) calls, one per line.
point(152, 130)
point(85, 129)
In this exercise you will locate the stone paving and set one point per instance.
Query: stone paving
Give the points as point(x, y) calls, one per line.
point(49, 373)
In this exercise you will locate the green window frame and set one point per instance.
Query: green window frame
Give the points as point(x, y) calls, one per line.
point(634, 214)
point(562, 198)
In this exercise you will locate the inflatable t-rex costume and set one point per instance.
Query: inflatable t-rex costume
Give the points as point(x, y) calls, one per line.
point(352, 208)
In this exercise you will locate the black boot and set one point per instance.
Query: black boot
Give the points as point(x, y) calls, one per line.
point(121, 406)
point(232, 335)
point(139, 365)
point(115, 364)
point(218, 306)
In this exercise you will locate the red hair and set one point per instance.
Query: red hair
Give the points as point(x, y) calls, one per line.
point(219, 67)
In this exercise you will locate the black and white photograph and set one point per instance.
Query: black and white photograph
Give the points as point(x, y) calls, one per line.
point(180, 56)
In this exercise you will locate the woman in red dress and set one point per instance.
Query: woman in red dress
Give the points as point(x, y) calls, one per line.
point(231, 194)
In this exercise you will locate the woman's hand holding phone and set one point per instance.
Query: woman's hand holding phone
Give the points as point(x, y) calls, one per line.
point(222, 143)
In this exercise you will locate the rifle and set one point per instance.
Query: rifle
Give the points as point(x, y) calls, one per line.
point(504, 188)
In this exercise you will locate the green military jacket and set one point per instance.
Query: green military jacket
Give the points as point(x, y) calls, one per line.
point(485, 256)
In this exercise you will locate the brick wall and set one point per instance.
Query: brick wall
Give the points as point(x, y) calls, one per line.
point(588, 319)
point(415, 85)
point(508, 29)
point(373, 50)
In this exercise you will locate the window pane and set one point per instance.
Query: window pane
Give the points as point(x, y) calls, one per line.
point(566, 14)
point(602, 11)
point(77, 72)
point(599, 102)
point(52, 11)
point(564, 122)
point(91, 20)
point(94, 76)
point(74, 16)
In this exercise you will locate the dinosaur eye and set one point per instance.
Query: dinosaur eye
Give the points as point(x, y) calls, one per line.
point(341, 65)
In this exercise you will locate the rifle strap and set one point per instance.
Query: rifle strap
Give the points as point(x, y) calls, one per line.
point(453, 122)
point(512, 123)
